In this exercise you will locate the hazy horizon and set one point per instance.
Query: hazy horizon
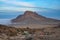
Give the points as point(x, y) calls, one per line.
point(12, 15)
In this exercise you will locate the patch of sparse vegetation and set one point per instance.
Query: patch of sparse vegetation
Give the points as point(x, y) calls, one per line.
point(51, 33)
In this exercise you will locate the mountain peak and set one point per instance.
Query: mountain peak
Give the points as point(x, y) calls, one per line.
point(33, 20)
point(30, 13)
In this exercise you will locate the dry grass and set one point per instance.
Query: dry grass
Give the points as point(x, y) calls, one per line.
point(49, 33)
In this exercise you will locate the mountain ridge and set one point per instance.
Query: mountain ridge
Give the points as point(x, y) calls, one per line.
point(33, 15)
point(33, 20)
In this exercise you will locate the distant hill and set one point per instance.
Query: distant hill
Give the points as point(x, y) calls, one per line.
point(32, 18)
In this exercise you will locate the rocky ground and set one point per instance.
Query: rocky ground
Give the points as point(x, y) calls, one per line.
point(11, 33)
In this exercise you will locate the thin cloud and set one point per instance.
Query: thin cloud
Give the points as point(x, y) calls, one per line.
point(16, 9)
point(21, 3)
point(23, 6)
point(16, 3)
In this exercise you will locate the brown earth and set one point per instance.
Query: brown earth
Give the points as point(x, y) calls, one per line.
point(12, 33)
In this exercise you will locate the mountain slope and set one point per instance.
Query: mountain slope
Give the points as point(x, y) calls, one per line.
point(29, 15)
point(30, 18)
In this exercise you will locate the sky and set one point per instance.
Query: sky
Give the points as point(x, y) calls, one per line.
point(48, 8)
point(21, 4)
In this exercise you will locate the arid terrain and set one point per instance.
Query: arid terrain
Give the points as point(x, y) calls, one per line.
point(12, 33)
